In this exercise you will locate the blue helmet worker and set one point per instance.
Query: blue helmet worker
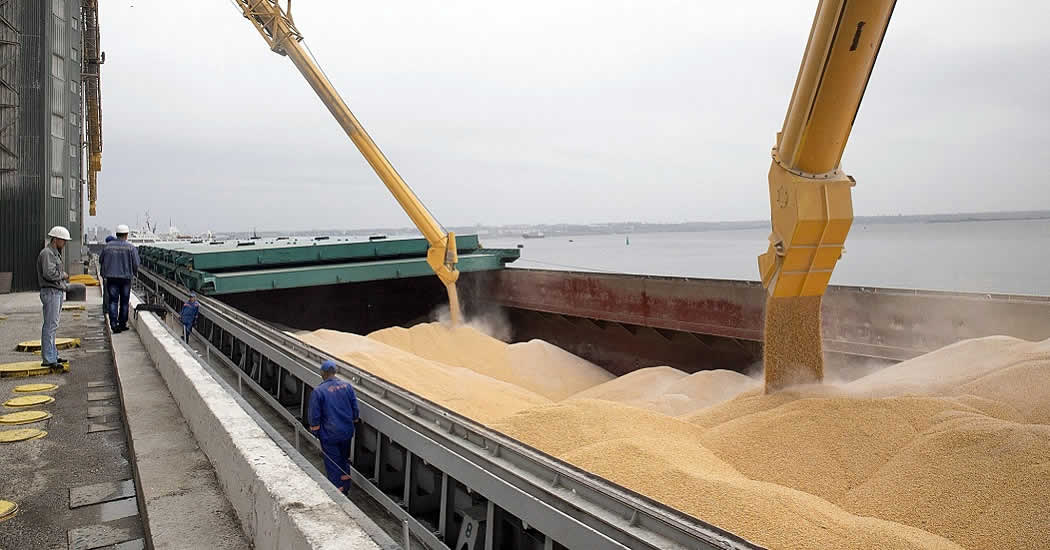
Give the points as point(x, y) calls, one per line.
point(190, 310)
point(333, 413)
point(109, 238)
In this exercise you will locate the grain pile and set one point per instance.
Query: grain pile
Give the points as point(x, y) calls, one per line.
point(793, 352)
point(640, 386)
point(462, 390)
point(670, 391)
point(661, 457)
point(535, 365)
point(706, 388)
point(948, 450)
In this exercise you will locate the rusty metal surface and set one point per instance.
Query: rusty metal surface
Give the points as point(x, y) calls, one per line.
point(621, 348)
point(719, 308)
point(891, 324)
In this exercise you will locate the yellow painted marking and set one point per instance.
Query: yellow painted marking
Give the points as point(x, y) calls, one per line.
point(7, 509)
point(22, 369)
point(29, 388)
point(28, 400)
point(24, 417)
point(20, 434)
point(60, 343)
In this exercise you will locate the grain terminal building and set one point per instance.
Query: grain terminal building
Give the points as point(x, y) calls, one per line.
point(48, 54)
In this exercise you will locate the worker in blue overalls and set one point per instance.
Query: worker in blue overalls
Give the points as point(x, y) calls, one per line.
point(333, 413)
point(190, 310)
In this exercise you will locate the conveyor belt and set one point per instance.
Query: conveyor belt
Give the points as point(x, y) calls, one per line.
point(522, 488)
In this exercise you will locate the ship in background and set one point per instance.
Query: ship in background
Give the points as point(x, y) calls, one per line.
point(95, 238)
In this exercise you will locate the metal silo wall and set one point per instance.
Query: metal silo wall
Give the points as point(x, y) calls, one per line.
point(74, 124)
point(29, 205)
point(60, 178)
point(22, 205)
point(11, 192)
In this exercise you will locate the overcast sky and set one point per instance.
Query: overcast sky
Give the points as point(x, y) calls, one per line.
point(554, 111)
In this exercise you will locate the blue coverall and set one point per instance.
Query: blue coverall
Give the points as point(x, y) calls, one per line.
point(188, 316)
point(333, 408)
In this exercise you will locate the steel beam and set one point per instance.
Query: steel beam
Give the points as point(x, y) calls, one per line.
point(285, 252)
point(332, 274)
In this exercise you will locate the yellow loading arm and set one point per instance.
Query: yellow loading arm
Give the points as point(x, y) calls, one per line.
point(278, 29)
point(92, 85)
point(809, 194)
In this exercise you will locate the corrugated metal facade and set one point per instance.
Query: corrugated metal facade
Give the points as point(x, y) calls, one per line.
point(14, 202)
point(42, 55)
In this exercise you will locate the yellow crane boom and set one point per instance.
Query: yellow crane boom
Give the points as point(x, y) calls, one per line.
point(92, 84)
point(809, 195)
point(280, 33)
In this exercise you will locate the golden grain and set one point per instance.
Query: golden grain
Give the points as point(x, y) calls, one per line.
point(947, 450)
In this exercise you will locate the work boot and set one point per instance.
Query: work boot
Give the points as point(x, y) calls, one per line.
point(61, 360)
point(48, 365)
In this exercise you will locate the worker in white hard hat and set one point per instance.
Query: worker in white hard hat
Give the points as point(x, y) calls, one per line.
point(118, 265)
point(53, 280)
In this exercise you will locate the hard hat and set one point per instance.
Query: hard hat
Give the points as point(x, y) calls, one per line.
point(329, 366)
point(59, 232)
point(123, 229)
point(110, 238)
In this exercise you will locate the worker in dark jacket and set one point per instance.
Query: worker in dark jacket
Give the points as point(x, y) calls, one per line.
point(119, 264)
point(190, 310)
point(333, 413)
point(53, 280)
point(102, 281)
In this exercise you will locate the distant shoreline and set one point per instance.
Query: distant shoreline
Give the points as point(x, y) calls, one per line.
point(620, 228)
point(968, 220)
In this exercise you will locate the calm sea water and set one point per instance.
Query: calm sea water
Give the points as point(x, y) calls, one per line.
point(991, 256)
